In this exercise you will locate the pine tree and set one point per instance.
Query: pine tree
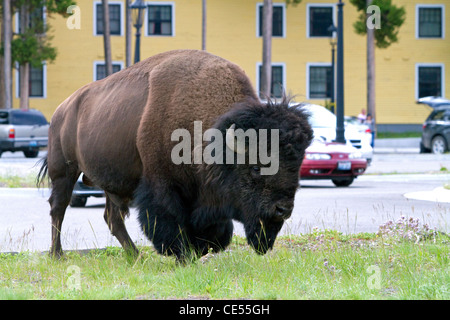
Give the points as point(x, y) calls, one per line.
point(30, 46)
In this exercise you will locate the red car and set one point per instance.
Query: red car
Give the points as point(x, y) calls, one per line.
point(336, 161)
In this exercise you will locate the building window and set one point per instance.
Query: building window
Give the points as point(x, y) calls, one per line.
point(278, 80)
point(430, 21)
point(429, 80)
point(319, 19)
point(278, 20)
point(36, 21)
point(115, 18)
point(319, 81)
point(160, 20)
point(100, 69)
point(37, 82)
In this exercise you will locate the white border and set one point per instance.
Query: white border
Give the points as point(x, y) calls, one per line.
point(283, 5)
point(145, 22)
point(308, 66)
point(102, 62)
point(122, 17)
point(308, 6)
point(418, 6)
point(274, 64)
point(416, 80)
point(44, 81)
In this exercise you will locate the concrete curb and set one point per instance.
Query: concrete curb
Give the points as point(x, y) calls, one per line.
point(439, 194)
point(397, 145)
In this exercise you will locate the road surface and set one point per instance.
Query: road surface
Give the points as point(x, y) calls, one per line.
point(370, 201)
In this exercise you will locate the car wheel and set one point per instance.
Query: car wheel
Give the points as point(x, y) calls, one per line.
point(438, 145)
point(78, 202)
point(343, 182)
point(31, 153)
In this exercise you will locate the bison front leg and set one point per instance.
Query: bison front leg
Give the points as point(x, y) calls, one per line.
point(210, 229)
point(168, 237)
point(115, 213)
point(162, 216)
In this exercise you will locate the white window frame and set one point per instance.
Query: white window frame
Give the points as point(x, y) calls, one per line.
point(102, 62)
point(274, 64)
point(419, 6)
point(276, 4)
point(308, 6)
point(416, 84)
point(122, 17)
point(308, 66)
point(145, 23)
point(44, 81)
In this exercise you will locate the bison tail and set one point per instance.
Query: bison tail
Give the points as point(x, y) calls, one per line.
point(42, 172)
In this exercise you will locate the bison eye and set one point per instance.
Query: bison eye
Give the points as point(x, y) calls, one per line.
point(256, 170)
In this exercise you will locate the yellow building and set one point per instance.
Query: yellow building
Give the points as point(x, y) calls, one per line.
point(417, 65)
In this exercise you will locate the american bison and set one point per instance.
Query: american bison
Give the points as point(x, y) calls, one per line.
point(118, 132)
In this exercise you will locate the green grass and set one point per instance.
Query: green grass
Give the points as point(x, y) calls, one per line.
point(319, 265)
point(10, 180)
point(386, 135)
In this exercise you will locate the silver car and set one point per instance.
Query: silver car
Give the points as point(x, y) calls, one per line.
point(23, 130)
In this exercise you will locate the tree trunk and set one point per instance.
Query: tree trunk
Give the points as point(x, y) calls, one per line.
point(128, 30)
point(6, 93)
point(371, 71)
point(24, 69)
point(106, 38)
point(266, 72)
point(204, 25)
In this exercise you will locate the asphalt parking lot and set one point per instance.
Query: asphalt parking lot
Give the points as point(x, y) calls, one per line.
point(396, 184)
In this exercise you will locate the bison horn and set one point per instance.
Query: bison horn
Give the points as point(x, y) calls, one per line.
point(232, 142)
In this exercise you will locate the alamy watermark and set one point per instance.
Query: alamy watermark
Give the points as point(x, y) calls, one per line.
point(374, 19)
point(374, 280)
point(73, 21)
point(237, 148)
point(74, 279)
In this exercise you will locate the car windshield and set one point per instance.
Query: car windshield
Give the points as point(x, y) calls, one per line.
point(320, 117)
point(28, 118)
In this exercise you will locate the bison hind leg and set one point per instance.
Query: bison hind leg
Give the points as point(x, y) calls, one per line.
point(116, 210)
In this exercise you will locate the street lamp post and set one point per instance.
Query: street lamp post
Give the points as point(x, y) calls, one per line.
point(333, 42)
point(340, 130)
point(137, 11)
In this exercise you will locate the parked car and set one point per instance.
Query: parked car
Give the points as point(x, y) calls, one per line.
point(436, 128)
point(23, 130)
point(82, 192)
point(323, 123)
point(338, 162)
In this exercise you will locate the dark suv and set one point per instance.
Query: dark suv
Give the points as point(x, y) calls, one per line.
point(23, 130)
point(436, 129)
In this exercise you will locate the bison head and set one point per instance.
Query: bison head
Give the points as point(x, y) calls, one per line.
point(258, 177)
